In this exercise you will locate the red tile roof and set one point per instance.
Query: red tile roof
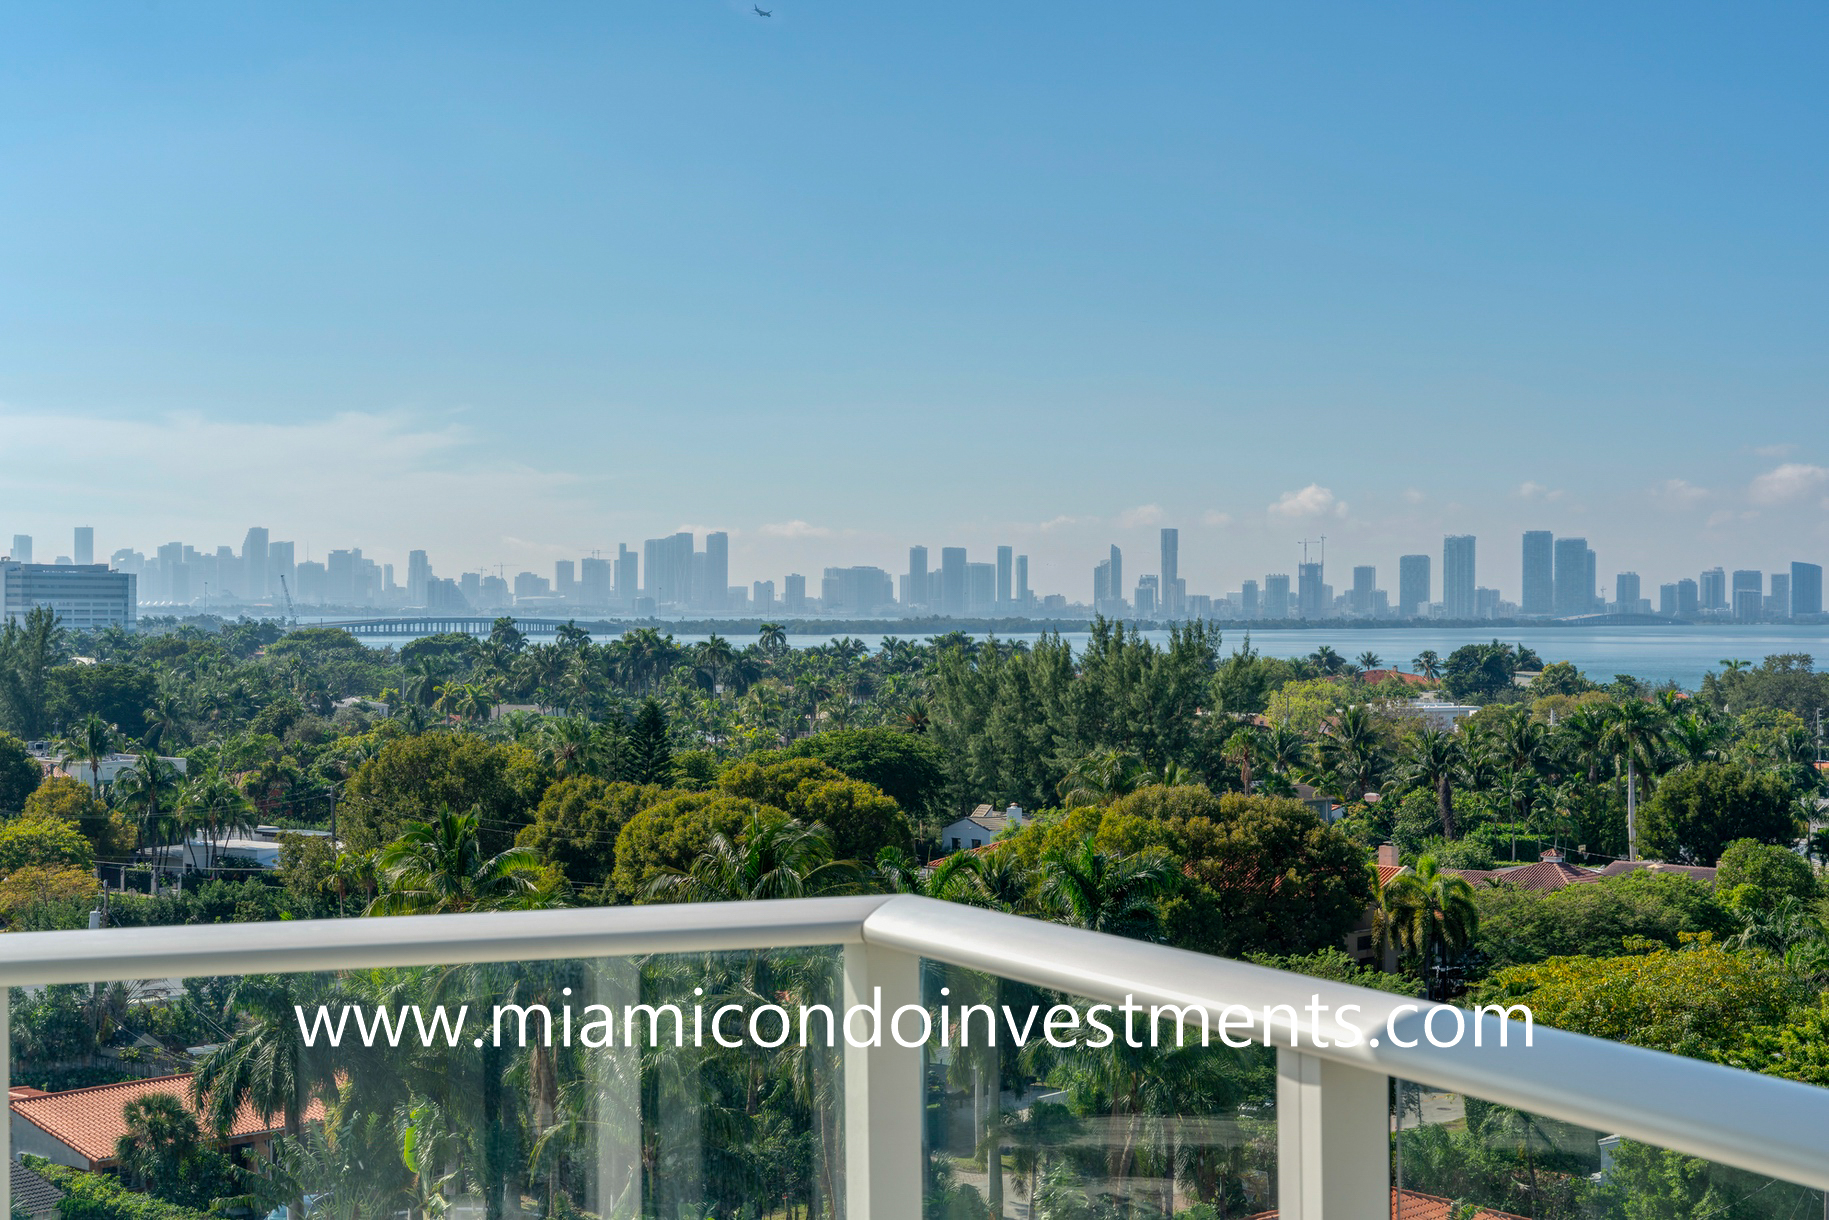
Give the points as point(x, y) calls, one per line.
point(90, 1120)
point(1388, 871)
point(1543, 875)
point(1418, 1206)
point(1620, 868)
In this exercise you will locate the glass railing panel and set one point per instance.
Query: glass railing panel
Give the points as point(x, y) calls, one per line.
point(614, 1088)
point(1457, 1157)
point(1056, 1120)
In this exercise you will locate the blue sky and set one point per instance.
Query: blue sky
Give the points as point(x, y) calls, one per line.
point(516, 282)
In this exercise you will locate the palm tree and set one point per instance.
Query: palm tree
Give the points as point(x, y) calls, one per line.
point(1430, 913)
point(148, 790)
point(159, 1144)
point(1429, 664)
point(212, 805)
point(571, 746)
point(1326, 660)
point(89, 743)
point(1350, 748)
point(1734, 667)
point(265, 1065)
point(439, 866)
point(1241, 750)
point(1286, 749)
point(1433, 757)
point(1370, 660)
point(353, 870)
point(1103, 891)
point(1635, 732)
point(770, 859)
point(772, 637)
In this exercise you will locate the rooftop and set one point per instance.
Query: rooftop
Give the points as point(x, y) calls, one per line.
point(90, 1120)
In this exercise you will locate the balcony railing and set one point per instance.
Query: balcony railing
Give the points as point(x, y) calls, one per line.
point(1329, 1107)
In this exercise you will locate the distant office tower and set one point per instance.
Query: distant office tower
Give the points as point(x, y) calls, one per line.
point(916, 592)
point(1247, 599)
point(531, 585)
point(1412, 586)
point(980, 588)
point(1749, 594)
point(1626, 592)
point(418, 578)
point(1539, 592)
point(717, 572)
point(86, 598)
point(762, 596)
point(280, 567)
point(565, 580)
point(1574, 583)
point(1458, 577)
point(952, 580)
point(854, 590)
point(668, 563)
point(1485, 602)
point(1276, 596)
point(1145, 599)
point(1714, 589)
point(22, 548)
point(596, 581)
point(1689, 598)
point(1778, 602)
point(254, 563)
point(84, 551)
point(1311, 600)
point(1102, 596)
point(628, 575)
point(795, 600)
point(1365, 581)
point(1022, 582)
point(1170, 586)
point(1667, 600)
point(1806, 589)
point(1006, 575)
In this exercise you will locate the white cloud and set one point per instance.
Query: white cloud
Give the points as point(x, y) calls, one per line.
point(1312, 501)
point(1216, 518)
point(1528, 490)
point(795, 529)
point(1143, 514)
point(1675, 493)
point(1413, 496)
point(1775, 451)
point(1055, 523)
point(1783, 484)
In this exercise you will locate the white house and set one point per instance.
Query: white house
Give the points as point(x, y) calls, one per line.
point(978, 828)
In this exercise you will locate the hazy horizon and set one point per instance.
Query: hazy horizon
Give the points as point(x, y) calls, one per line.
point(512, 285)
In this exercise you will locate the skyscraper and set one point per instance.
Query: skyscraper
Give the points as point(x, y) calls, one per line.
point(1117, 577)
point(1006, 572)
point(1169, 591)
point(1247, 599)
point(1626, 592)
point(1458, 577)
point(794, 596)
point(1806, 589)
point(717, 572)
point(1276, 595)
point(418, 578)
point(1022, 582)
point(1365, 580)
point(1778, 604)
point(1749, 595)
point(1574, 577)
point(1689, 599)
point(22, 548)
point(1713, 589)
point(1539, 592)
point(1412, 586)
point(628, 575)
point(565, 579)
point(596, 581)
point(952, 580)
point(1310, 601)
point(916, 592)
point(254, 563)
point(84, 551)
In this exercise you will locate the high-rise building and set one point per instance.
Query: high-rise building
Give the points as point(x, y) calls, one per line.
point(1006, 575)
point(710, 595)
point(1778, 602)
point(980, 588)
point(565, 579)
point(596, 581)
point(1689, 598)
point(1806, 589)
point(1574, 577)
point(418, 578)
point(1114, 582)
point(794, 599)
point(254, 563)
point(762, 596)
point(915, 594)
point(1458, 577)
point(1713, 587)
point(1667, 600)
point(628, 575)
point(281, 569)
point(854, 590)
point(85, 597)
point(1365, 581)
point(22, 548)
point(1170, 592)
point(1626, 593)
point(1145, 599)
point(1412, 586)
point(1022, 582)
point(952, 580)
point(1749, 595)
point(1276, 596)
point(1311, 599)
point(668, 564)
point(1247, 599)
point(1539, 589)
point(84, 550)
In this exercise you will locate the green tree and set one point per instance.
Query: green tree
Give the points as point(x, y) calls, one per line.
point(1518, 926)
point(29, 651)
point(1695, 813)
point(20, 773)
point(108, 831)
point(1635, 736)
point(906, 766)
point(161, 1152)
point(770, 858)
point(1758, 875)
point(411, 778)
point(50, 842)
point(1433, 758)
point(148, 792)
point(1431, 914)
point(672, 835)
point(440, 866)
point(576, 824)
point(649, 754)
point(88, 744)
point(1104, 891)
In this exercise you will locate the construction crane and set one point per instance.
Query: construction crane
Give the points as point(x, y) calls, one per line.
point(291, 615)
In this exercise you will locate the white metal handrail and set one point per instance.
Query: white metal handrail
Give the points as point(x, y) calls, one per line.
point(1755, 1122)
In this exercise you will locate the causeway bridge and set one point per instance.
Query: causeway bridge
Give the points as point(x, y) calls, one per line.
point(440, 624)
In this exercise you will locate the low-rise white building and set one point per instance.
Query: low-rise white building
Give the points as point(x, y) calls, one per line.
point(978, 828)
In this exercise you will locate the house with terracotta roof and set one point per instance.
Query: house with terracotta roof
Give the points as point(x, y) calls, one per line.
point(1362, 941)
point(1414, 1205)
point(79, 1127)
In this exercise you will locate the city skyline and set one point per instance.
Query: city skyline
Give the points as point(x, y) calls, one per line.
point(1557, 577)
